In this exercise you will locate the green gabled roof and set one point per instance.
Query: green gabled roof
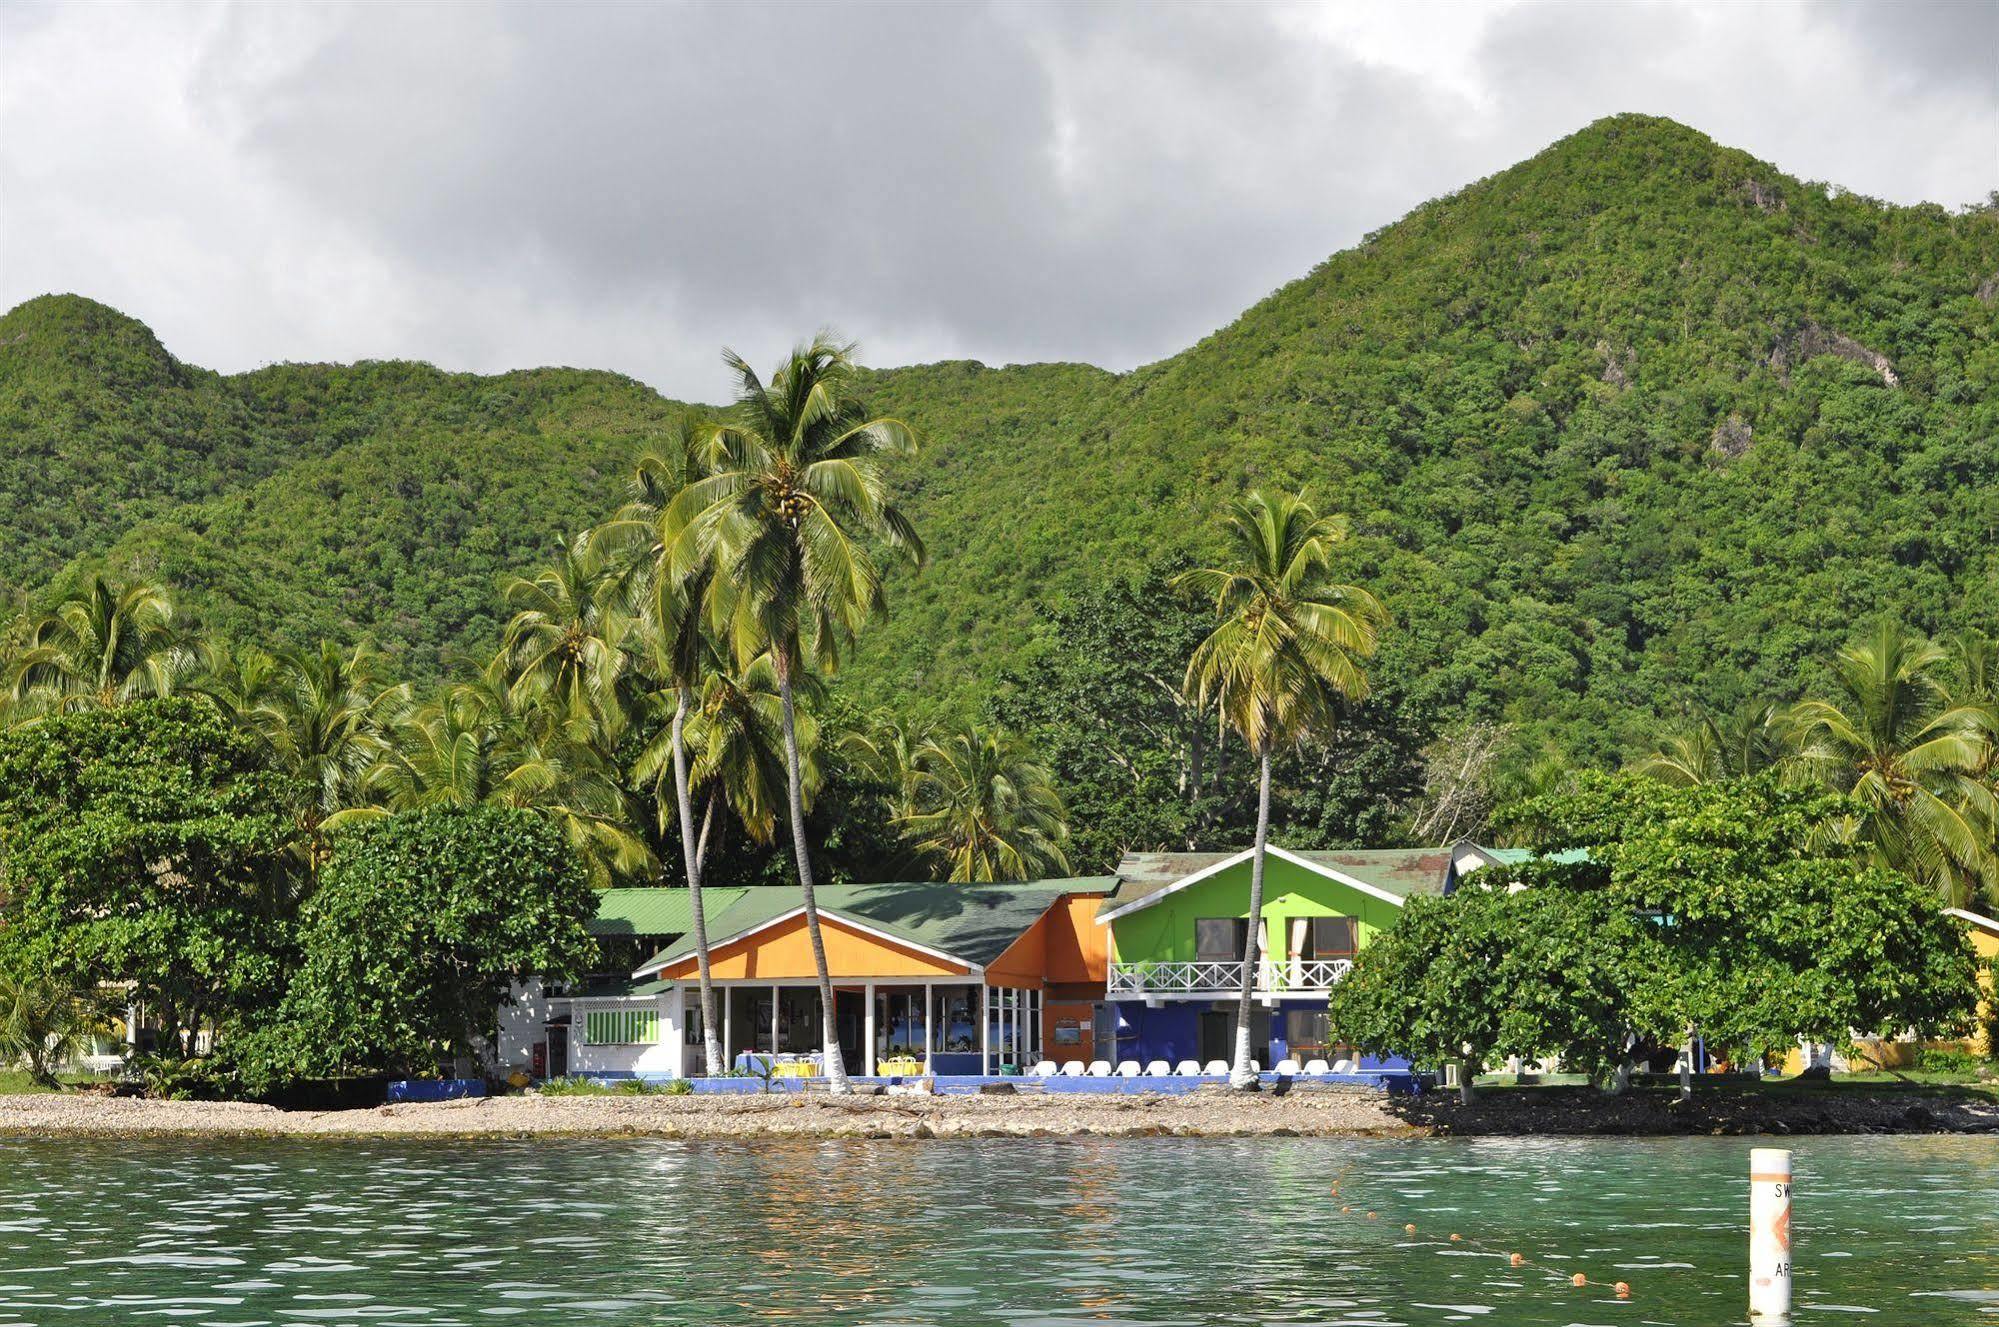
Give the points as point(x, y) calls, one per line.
point(975, 923)
point(1397, 871)
point(654, 910)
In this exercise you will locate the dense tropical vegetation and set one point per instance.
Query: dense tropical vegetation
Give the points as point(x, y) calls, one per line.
point(1657, 459)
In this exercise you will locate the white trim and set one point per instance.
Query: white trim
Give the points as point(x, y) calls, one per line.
point(1105, 918)
point(1978, 919)
point(799, 911)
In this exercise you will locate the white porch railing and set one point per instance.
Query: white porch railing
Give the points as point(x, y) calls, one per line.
point(1218, 978)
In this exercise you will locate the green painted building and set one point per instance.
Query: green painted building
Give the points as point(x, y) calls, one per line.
point(1177, 927)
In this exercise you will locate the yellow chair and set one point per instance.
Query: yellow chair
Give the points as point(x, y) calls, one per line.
point(900, 1066)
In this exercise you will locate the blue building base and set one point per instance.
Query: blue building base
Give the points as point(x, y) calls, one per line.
point(1172, 1032)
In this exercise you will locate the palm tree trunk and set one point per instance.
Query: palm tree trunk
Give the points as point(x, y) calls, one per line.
point(836, 1067)
point(707, 826)
point(711, 1045)
point(1241, 1075)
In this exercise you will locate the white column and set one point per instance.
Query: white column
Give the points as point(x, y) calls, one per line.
point(985, 1029)
point(676, 1032)
point(868, 1033)
point(773, 1018)
point(728, 994)
point(928, 1039)
point(1769, 1232)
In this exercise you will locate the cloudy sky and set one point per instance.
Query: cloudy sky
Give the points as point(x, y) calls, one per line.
point(633, 186)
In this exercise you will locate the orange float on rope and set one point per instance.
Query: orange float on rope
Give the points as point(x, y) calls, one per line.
point(1346, 1209)
point(1579, 1280)
point(1515, 1259)
point(1455, 1237)
point(1370, 1216)
point(1624, 1290)
point(1410, 1228)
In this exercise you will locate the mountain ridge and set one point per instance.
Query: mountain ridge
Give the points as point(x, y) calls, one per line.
point(1612, 425)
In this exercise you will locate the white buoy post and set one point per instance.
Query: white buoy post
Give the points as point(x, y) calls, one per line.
point(1769, 1233)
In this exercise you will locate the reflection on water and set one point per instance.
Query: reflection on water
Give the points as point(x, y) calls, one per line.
point(1044, 1233)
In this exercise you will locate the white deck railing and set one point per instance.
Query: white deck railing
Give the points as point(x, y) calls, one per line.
point(1221, 977)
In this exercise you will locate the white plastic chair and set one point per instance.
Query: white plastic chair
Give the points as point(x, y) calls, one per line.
point(1072, 1069)
point(1127, 1069)
point(1344, 1067)
point(1158, 1069)
point(1287, 1067)
point(1317, 1067)
point(1217, 1069)
point(1256, 1066)
point(1043, 1069)
point(1187, 1069)
point(1100, 1069)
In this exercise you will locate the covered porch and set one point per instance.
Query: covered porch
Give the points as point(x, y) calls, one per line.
point(887, 1026)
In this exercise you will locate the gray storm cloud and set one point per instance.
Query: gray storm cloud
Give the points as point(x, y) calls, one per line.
point(633, 187)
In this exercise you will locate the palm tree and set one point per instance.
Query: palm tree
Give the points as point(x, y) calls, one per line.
point(107, 643)
point(1912, 755)
point(565, 646)
point(1706, 750)
point(474, 744)
point(670, 602)
point(793, 485)
point(983, 806)
point(325, 715)
point(1288, 648)
point(45, 1020)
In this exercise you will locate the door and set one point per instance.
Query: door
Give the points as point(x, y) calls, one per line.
point(1216, 1044)
point(558, 1051)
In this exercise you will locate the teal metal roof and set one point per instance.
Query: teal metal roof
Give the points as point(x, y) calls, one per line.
point(1515, 856)
point(655, 910)
point(973, 922)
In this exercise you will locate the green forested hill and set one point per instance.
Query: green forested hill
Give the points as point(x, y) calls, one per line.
point(1636, 421)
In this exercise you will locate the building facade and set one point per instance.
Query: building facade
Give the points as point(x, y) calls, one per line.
point(1178, 924)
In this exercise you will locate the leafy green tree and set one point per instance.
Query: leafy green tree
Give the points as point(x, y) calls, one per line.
point(148, 844)
point(108, 643)
point(1717, 909)
point(981, 806)
point(422, 923)
point(1912, 756)
point(1287, 649)
point(794, 488)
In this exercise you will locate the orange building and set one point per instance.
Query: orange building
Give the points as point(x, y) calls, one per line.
point(931, 978)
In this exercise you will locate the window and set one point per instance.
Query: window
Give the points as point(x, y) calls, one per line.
point(1333, 937)
point(621, 1027)
point(1220, 939)
point(1305, 1032)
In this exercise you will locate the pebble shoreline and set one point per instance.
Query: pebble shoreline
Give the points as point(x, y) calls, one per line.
point(1216, 1113)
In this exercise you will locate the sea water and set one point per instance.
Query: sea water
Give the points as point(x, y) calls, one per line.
point(1888, 1231)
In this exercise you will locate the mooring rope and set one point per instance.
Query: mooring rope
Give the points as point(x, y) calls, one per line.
point(1514, 1258)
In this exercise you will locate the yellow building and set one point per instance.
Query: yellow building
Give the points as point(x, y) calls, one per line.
point(1984, 939)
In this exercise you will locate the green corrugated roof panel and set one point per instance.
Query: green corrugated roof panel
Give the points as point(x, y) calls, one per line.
point(972, 922)
point(656, 910)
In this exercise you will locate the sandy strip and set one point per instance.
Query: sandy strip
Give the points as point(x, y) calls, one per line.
point(1209, 1112)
